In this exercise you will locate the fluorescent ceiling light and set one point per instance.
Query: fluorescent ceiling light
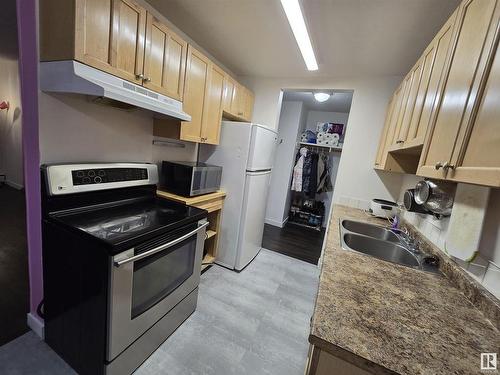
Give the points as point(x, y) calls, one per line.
point(321, 96)
point(298, 25)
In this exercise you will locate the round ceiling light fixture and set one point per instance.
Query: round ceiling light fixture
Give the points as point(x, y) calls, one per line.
point(321, 96)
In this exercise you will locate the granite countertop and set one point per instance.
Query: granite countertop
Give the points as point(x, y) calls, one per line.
point(388, 318)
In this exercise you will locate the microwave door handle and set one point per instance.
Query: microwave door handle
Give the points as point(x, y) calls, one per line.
point(145, 254)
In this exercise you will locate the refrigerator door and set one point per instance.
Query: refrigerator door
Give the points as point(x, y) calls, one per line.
point(252, 217)
point(262, 146)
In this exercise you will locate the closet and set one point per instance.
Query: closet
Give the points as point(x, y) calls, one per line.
point(311, 183)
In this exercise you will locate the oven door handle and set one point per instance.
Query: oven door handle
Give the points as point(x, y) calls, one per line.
point(145, 254)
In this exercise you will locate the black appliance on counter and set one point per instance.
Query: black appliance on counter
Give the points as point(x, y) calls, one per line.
point(121, 265)
point(189, 178)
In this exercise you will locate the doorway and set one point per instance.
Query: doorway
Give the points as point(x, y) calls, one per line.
point(14, 300)
point(311, 132)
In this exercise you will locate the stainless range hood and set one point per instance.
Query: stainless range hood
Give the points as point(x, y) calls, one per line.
point(76, 78)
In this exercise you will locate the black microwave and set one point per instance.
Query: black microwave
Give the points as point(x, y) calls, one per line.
point(189, 178)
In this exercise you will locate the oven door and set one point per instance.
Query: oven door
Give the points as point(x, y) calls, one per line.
point(149, 280)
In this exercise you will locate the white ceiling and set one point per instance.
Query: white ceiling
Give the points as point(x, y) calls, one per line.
point(350, 37)
point(339, 101)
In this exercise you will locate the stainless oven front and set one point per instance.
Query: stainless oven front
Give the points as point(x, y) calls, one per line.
point(149, 280)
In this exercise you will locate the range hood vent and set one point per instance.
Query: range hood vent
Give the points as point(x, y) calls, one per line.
point(76, 78)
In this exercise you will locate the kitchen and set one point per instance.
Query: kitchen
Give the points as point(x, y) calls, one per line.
point(417, 111)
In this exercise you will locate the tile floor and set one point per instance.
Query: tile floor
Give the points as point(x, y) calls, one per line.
point(253, 322)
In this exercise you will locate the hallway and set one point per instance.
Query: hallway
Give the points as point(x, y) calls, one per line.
point(14, 299)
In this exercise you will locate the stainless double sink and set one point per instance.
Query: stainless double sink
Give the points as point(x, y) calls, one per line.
point(386, 244)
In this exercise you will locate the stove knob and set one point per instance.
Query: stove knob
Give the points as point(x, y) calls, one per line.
point(80, 174)
point(97, 180)
point(86, 180)
point(91, 173)
point(101, 173)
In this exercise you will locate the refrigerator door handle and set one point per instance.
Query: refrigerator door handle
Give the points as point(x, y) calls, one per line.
point(258, 172)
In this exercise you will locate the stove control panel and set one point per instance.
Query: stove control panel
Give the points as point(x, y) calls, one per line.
point(107, 175)
point(64, 179)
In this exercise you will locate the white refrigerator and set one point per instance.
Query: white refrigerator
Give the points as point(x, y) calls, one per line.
point(246, 154)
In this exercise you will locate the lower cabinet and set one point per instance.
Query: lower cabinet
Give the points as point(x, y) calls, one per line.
point(321, 362)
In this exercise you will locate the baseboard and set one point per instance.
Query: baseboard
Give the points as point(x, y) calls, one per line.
point(276, 223)
point(36, 324)
point(14, 185)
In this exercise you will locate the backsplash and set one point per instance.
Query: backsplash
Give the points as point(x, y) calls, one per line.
point(484, 268)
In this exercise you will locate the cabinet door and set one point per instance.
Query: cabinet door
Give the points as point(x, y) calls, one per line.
point(164, 60)
point(405, 91)
point(383, 136)
point(228, 93)
point(127, 40)
point(213, 107)
point(433, 62)
point(197, 80)
point(478, 160)
point(474, 20)
point(238, 102)
point(414, 85)
point(249, 101)
point(93, 26)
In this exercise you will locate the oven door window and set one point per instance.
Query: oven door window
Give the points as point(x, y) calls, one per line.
point(158, 275)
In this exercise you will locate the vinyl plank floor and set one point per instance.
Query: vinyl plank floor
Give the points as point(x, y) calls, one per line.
point(253, 322)
point(295, 241)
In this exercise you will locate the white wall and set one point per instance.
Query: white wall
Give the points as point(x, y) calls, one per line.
point(489, 248)
point(364, 127)
point(278, 202)
point(11, 152)
point(73, 129)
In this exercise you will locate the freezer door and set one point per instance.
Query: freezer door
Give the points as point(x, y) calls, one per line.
point(252, 219)
point(262, 146)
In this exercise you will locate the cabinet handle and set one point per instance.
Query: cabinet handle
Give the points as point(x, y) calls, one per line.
point(240, 113)
point(438, 165)
point(447, 166)
point(139, 76)
point(399, 142)
point(146, 79)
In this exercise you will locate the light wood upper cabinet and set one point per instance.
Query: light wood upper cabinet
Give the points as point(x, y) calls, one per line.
point(127, 39)
point(434, 60)
point(397, 138)
point(383, 137)
point(116, 36)
point(196, 90)
point(249, 102)
point(450, 111)
point(92, 37)
point(164, 60)
point(238, 100)
point(121, 38)
point(212, 117)
point(476, 155)
point(229, 84)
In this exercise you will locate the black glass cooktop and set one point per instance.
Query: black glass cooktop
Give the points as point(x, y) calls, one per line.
point(123, 223)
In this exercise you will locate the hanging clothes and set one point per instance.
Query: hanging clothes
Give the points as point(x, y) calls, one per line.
point(310, 174)
point(325, 181)
point(298, 170)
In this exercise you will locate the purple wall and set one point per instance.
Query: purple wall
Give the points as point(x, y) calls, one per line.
point(28, 72)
